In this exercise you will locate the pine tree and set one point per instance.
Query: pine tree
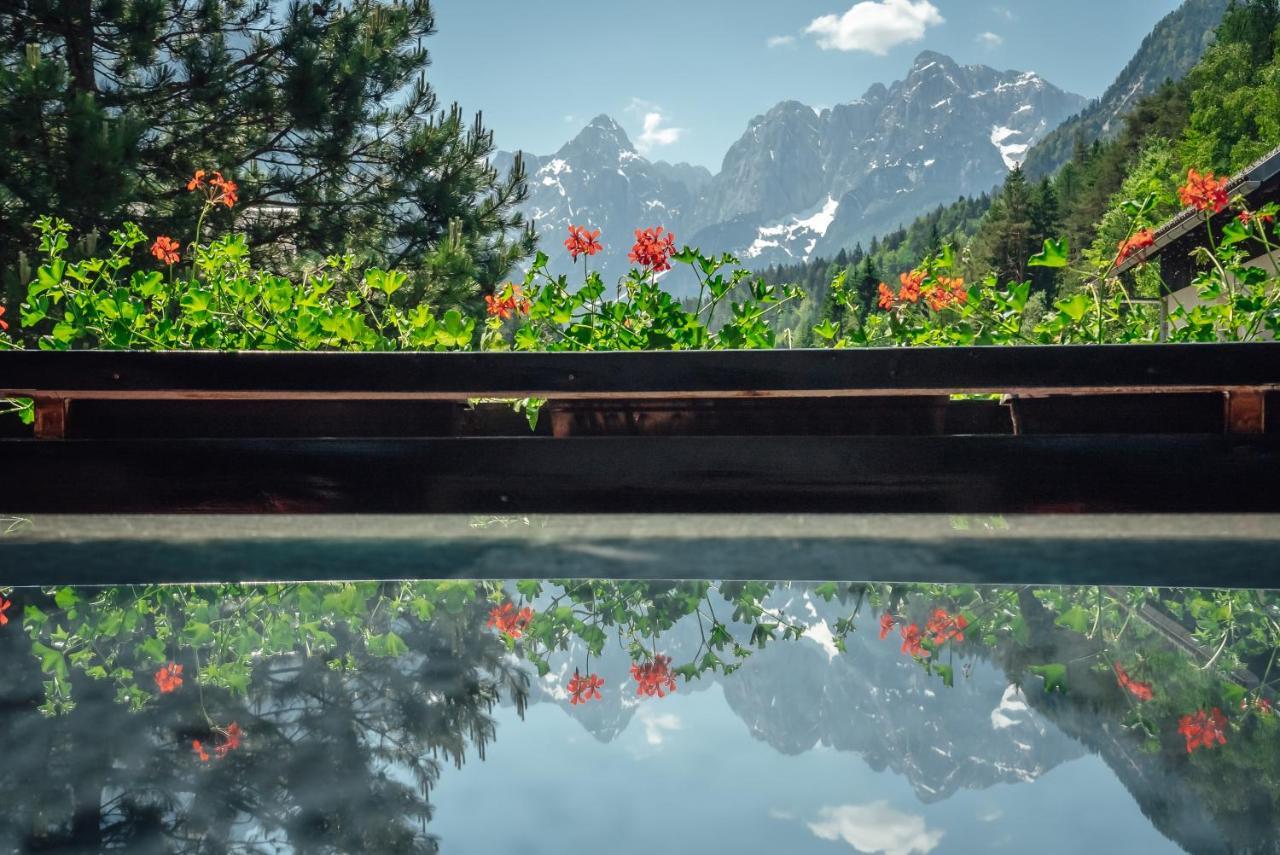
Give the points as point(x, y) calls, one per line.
point(321, 112)
point(1005, 241)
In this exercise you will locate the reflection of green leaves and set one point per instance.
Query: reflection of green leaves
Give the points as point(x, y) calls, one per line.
point(1054, 675)
point(1075, 618)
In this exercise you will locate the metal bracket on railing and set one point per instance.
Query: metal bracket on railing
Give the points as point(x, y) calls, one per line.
point(51, 418)
point(1246, 411)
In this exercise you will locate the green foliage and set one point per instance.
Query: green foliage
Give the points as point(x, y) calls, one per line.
point(320, 111)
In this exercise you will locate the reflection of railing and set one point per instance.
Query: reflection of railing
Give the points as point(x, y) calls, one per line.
point(1122, 428)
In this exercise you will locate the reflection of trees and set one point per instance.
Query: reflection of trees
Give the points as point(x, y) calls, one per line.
point(353, 696)
point(340, 752)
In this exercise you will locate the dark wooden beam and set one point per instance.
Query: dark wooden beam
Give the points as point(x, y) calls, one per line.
point(949, 474)
point(87, 375)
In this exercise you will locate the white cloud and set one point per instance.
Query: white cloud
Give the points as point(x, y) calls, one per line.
point(874, 26)
point(990, 40)
point(570, 119)
point(657, 725)
point(780, 41)
point(654, 134)
point(876, 828)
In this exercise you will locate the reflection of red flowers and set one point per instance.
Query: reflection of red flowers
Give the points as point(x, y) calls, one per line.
point(583, 689)
point(510, 622)
point(1135, 244)
point(169, 678)
point(1204, 192)
point(198, 747)
point(582, 242)
point(4, 604)
point(165, 249)
point(4, 325)
point(230, 740)
point(652, 251)
point(1247, 217)
point(886, 624)
point(1203, 729)
point(652, 677)
point(911, 639)
point(1262, 705)
point(887, 298)
point(943, 627)
point(1140, 690)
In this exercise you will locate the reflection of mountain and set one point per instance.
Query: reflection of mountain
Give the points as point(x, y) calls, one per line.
point(871, 701)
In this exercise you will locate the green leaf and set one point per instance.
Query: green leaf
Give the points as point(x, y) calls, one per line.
point(1054, 254)
point(1075, 307)
point(1235, 232)
point(947, 673)
point(1054, 674)
point(1074, 618)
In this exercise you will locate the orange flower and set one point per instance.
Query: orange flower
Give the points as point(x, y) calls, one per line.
point(1135, 244)
point(198, 747)
point(582, 242)
point(583, 689)
point(946, 293)
point(4, 607)
point(512, 301)
point(197, 180)
point(497, 306)
point(1140, 690)
point(1203, 729)
point(943, 627)
point(1204, 192)
point(4, 325)
point(652, 251)
point(169, 678)
point(886, 624)
point(652, 677)
point(226, 188)
point(166, 250)
point(911, 640)
point(508, 621)
point(911, 282)
point(887, 298)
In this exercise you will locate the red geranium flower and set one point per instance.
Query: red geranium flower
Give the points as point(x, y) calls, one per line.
point(4, 325)
point(198, 747)
point(505, 305)
point(510, 622)
point(1135, 244)
point(197, 180)
point(166, 250)
point(4, 604)
point(1203, 729)
point(948, 292)
point(887, 298)
point(583, 689)
point(911, 282)
point(886, 624)
point(652, 677)
point(1204, 192)
point(582, 242)
point(497, 306)
point(226, 188)
point(943, 627)
point(1140, 690)
point(652, 251)
point(169, 678)
point(911, 640)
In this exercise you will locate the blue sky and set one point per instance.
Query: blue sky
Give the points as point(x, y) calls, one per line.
point(695, 71)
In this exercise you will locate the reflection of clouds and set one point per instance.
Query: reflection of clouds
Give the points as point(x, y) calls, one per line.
point(657, 724)
point(876, 828)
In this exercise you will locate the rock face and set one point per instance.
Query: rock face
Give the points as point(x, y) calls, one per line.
point(801, 182)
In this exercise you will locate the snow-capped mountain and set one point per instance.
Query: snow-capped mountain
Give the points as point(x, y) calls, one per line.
point(871, 701)
point(802, 181)
point(598, 179)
